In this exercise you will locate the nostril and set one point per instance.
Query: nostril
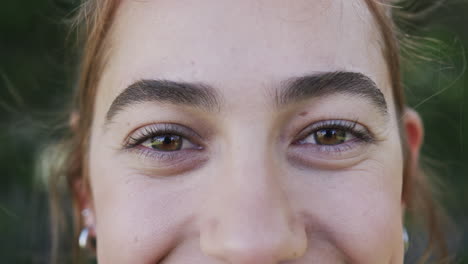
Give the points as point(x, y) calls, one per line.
point(245, 246)
point(245, 252)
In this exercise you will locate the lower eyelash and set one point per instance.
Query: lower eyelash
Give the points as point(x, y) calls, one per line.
point(333, 149)
point(146, 153)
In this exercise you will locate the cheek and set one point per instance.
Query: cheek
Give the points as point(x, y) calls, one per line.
point(357, 212)
point(138, 218)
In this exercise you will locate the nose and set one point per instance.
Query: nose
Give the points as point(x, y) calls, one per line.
point(247, 218)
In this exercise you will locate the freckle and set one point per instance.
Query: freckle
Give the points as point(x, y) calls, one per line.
point(192, 62)
point(303, 113)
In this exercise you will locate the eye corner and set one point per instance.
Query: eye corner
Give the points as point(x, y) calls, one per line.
point(131, 142)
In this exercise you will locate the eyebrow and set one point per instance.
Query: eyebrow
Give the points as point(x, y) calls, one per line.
point(329, 83)
point(291, 91)
point(165, 91)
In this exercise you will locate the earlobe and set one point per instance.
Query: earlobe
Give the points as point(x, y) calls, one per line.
point(87, 215)
point(87, 237)
point(83, 202)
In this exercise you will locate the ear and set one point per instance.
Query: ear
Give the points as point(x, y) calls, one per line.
point(413, 135)
point(414, 131)
point(81, 190)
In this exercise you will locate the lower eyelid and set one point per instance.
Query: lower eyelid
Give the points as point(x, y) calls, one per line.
point(166, 159)
point(159, 164)
point(147, 153)
point(348, 145)
point(309, 152)
point(328, 157)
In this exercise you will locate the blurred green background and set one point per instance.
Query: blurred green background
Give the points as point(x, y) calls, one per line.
point(37, 70)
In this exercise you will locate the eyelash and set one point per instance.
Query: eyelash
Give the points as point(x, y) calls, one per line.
point(361, 135)
point(145, 133)
point(134, 141)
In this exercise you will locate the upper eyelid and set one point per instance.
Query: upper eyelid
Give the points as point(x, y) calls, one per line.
point(338, 123)
point(334, 123)
point(143, 132)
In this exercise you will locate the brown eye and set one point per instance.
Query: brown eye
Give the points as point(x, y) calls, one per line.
point(339, 135)
point(166, 142)
point(164, 138)
point(330, 136)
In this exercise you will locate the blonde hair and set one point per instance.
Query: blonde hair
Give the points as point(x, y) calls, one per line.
point(93, 24)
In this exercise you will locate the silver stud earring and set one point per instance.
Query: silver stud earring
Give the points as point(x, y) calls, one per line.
point(405, 239)
point(83, 239)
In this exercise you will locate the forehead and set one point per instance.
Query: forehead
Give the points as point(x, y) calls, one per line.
point(256, 42)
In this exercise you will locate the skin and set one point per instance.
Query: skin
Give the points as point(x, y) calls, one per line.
point(245, 191)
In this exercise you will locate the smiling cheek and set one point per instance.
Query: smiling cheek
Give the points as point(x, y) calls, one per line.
point(138, 218)
point(356, 211)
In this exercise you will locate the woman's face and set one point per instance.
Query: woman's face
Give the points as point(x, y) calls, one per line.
point(246, 132)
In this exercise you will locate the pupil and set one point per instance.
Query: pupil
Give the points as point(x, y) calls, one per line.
point(330, 137)
point(166, 142)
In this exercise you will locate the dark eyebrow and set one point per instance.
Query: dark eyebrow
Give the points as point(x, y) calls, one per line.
point(292, 90)
point(164, 91)
point(328, 83)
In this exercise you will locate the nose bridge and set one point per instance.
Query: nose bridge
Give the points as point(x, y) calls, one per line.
point(248, 218)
